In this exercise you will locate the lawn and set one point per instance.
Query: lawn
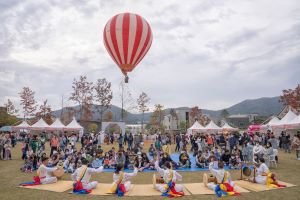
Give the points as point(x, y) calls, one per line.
point(288, 170)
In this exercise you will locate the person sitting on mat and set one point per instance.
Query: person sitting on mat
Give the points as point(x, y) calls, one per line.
point(200, 161)
point(166, 158)
point(43, 176)
point(264, 176)
point(170, 177)
point(184, 160)
point(121, 180)
point(82, 176)
point(224, 185)
point(44, 172)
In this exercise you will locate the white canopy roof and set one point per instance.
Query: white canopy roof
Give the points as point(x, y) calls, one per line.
point(73, 125)
point(287, 118)
point(212, 126)
point(196, 126)
point(273, 121)
point(41, 124)
point(57, 125)
point(295, 121)
point(228, 127)
point(23, 125)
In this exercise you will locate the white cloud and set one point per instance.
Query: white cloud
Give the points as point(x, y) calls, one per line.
point(208, 53)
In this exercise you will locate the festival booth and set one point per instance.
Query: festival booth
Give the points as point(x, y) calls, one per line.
point(211, 127)
point(56, 126)
point(282, 124)
point(73, 126)
point(23, 126)
point(293, 126)
point(40, 125)
point(196, 128)
point(226, 128)
point(273, 122)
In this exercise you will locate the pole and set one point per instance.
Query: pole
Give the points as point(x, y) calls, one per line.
point(62, 106)
point(122, 111)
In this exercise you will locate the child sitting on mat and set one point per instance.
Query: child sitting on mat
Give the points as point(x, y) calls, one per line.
point(121, 180)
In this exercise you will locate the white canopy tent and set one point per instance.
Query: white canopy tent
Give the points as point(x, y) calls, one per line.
point(273, 121)
point(39, 125)
point(195, 127)
point(294, 124)
point(73, 126)
point(56, 125)
point(23, 125)
point(212, 126)
point(226, 126)
point(286, 119)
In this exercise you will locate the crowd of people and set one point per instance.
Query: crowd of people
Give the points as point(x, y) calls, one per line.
point(195, 150)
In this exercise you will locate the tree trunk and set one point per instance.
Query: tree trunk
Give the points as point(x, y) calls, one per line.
point(143, 122)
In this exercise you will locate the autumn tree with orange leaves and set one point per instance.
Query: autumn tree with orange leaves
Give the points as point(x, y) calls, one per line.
point(291, 97)
point(196, 114)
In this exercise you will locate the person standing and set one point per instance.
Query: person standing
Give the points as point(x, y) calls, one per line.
point(296, 145)
point(54, 142)
point(177, 140)
point(125, 138)
point(120, 141)
point(130, 140)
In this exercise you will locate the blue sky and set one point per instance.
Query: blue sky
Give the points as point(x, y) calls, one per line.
point(209, 53)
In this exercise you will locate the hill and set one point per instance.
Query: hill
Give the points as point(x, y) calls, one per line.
point(265, 106)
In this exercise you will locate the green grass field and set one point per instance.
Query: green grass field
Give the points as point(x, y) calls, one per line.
point(288, 170)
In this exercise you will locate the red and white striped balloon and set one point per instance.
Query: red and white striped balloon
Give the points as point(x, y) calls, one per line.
point(127, 38)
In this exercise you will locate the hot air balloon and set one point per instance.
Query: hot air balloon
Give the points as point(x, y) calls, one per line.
point(127, 38)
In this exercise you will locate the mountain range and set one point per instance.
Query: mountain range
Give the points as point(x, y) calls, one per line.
point(265, 106)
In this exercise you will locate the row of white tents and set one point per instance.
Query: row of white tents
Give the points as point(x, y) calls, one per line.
point(211, 126)
point(57, 125)
point(289, 121)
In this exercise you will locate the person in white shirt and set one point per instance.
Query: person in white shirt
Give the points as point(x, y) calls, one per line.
point(44, 172)
point(262, 171)
point(221, 175)
point(167, 175)
point(258, 150)
point(84, 174)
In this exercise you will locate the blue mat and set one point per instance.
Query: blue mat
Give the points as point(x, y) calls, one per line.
point(175, 157)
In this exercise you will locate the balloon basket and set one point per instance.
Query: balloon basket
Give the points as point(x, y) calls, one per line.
point(126, 79)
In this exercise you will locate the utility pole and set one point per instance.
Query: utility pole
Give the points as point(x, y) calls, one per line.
point(62, 106)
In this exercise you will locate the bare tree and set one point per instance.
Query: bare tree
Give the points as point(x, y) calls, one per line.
point(83, 95)
point(45, 112)
point(103, 96)
point(10, 107)
point(28, 102)
point(143, 102)
point(127, 101)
